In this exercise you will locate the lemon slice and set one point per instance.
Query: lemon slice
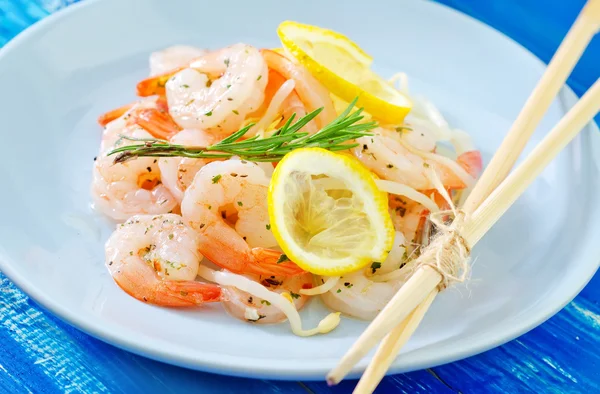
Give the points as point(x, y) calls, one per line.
point(327, 214)
point(343, 68)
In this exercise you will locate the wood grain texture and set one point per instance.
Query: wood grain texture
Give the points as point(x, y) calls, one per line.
point(560, 356)
point(41, 354)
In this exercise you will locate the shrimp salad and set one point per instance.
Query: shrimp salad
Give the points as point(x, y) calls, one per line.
point(195, 230)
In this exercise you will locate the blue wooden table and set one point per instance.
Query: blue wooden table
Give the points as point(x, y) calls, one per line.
point(41, 354)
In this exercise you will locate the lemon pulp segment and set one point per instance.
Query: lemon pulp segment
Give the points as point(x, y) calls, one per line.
point(326, 212)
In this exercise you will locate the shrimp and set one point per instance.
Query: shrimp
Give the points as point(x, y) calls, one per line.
point(216, 91)
point(244, 306)
point(155, 259)
point(359, 294)
point(281, 102)
point(117, 123)
point(408, 218)
point(173, 57)
point(132, 187)
point(177, 173)
point(107, 117)
point(227, 204)
point(151, 114)
point(421, 137)
point(309, 91)
point(388, 156)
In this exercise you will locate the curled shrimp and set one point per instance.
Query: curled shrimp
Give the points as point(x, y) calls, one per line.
point(173, 57)
point(107, 117)
point(356, 295)
point(309, 91)
point(155, 259)
point(359, 294)
point(244, 306)
point(408, 218)
point(227, 204)
point(216, 91)
point(281, 102)
point(177, 173)
point(152, 115)
point(387, 155)
point(120, 190)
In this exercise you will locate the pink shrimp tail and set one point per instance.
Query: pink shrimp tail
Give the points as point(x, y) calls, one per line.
point(305, 84)
point(265, 262)
point(145, 285)
point(471, 161)
point(109, 116)
point(191, 293)
point(157, 122)
point(155, 84)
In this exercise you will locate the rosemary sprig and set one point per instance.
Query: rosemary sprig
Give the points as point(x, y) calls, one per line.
point(270, 149)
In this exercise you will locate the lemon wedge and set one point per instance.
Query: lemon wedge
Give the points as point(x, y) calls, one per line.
point(327, 214)
point(344, 68)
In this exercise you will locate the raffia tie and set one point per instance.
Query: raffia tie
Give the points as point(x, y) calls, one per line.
point(448, 253)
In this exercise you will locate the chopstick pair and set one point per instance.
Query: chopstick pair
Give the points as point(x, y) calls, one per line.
point(488, 201)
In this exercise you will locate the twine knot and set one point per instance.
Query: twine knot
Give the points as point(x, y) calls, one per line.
point(448, 253)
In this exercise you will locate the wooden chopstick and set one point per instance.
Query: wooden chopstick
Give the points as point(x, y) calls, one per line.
point(515, 184)
point(395, 340)
point(481, 221)
point(567, 55)
point(586, 25)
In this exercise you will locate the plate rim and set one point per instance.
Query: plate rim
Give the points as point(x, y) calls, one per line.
point(317, 372)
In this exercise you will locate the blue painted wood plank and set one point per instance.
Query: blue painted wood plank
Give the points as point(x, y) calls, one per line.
point(414, 382)
point(40, 353)
point(559, 356)
point(539, 26)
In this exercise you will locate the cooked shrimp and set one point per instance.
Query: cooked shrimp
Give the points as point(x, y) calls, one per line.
point(309, 91)
point(151, 114)
point(408, 218)
point(177, 173)
point(420, 136)
point(132, 187)
point(113, 114)
point(356, 295)
point(244, 306)
point(361, 294)
point(281, 102)
point(227, 204)
point(216, 91)
point(389, 157)
point(173, 57)
point(155, 259)
point(281, 301)
point(118, 123)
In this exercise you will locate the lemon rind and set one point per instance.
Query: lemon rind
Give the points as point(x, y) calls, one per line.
point(377, 106)
point(360, 181)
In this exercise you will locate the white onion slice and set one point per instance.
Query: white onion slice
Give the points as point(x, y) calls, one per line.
point(282, 93)
point(464, 176)
point(408, 192)
point(324, 288)
point(240, 282)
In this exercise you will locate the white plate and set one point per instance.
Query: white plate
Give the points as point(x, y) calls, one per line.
point(61, 74)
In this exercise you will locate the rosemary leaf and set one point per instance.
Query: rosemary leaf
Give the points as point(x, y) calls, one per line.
point(345, 128)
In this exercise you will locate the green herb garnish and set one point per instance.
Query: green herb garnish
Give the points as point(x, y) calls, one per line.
point(333, 137)
point(282, 259)
point(375, 266)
